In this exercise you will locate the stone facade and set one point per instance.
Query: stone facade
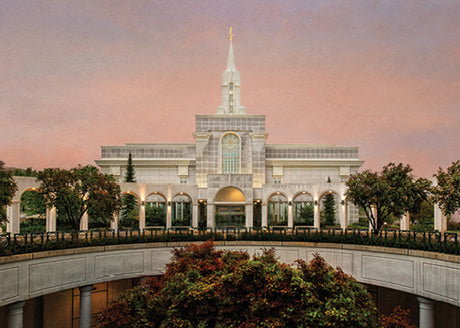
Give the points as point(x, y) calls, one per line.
point(259, 170)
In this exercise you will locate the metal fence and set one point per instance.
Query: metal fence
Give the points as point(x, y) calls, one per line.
point(417, 240)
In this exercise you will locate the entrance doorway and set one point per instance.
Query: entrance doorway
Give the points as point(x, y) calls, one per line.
point(230, 208)
point(230, 215)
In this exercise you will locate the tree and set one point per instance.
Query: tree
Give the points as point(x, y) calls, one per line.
point(447, 191)
point(394, 191)
point(33, 203)
point(305, 215)
point(399, 318)
point(129, 211)
point(205, 287)
point(76, 191)
point(29, 172)
point(8, 188)
point(328, 212)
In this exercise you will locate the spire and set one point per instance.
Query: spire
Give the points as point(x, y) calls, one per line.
point(231, 85)
point(231, 67)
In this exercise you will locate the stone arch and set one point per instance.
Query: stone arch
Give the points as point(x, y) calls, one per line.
point(230, 207)
point(303, 207)
point(155, 209)
point(181, 209)
point(129, 214)
point(230, 195)
point(337, 201)
point(278, 209)
point(132, 193)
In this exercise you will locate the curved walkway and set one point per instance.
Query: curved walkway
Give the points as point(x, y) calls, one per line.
point(427, 274)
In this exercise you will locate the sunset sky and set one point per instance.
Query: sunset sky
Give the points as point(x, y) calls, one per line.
point(380, 75)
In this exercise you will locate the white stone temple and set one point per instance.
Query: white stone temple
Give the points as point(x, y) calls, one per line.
point(230, 176)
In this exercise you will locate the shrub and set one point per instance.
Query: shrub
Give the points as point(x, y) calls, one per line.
point(205, 287)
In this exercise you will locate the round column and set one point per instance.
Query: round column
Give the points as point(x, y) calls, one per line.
point(85, 306)
point(264, 216)
point(426, 310)
point(316, 216)
point(16, 315)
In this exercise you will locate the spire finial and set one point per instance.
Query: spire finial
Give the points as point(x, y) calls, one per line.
point(231, 34)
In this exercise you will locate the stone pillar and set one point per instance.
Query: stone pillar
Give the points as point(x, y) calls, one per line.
point(404, 222)
point(114, 222)
point(316, 218)
point(85, 306)
point(50, 219)
point(210, 215)
point(13, 215)
point(168, 214)
point(84, 222)
point(16, 315)
point(426, 310)
point(141, 216)
point(264, 215)
point(343, 215)
point(290, 215)
point(195, 216)
point(440, 220)
point(249, 215)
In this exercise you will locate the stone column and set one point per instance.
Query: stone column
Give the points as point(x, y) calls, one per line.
point(264, 215)
point(141, 216)
point(316, 218)
point(84, 222)
point(343, 215)
point(249, 215)
point(85, 306)
point(210, 215)
point(290, 215)
point(16, 315)
point(404, 222)
point(426, 310)
point(13, 215)
point(440, 220)
point(50, 219)
point(168, 214)
point(195, 216)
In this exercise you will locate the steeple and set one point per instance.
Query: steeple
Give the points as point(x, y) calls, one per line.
point(231, 59)
point(231, 85)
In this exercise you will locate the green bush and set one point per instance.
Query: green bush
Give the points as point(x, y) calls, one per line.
point(32, 225)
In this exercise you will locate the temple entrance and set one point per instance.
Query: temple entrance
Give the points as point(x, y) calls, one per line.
point(230, 208)
point(230, 215)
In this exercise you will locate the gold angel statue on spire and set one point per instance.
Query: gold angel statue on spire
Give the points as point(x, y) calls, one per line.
point(231, 34)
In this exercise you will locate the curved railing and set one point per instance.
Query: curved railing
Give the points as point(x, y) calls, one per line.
point(418, 240)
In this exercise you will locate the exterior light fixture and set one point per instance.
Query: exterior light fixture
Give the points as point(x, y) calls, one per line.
point(290, 203)
point(342, 202)
point(316, 202)
point(143, 203)
point(169, 203)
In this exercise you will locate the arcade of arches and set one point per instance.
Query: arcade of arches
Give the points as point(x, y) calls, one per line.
point(229, 207)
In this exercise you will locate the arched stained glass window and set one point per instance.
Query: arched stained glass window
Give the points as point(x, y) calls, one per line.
point(230, 154)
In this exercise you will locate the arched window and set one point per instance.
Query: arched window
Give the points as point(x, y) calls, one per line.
point(230, 154)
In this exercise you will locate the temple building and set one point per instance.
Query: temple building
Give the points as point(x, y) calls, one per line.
point(230, 176)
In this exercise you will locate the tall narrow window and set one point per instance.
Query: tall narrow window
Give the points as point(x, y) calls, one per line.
point(230, 154)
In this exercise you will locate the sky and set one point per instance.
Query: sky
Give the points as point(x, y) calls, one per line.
point(380, 75)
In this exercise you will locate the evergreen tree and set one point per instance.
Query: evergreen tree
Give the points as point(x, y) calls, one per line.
point(129, 212)
point(328, 212)
point(130, 174)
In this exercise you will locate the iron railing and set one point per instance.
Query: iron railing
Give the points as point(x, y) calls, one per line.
point(11, 244)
